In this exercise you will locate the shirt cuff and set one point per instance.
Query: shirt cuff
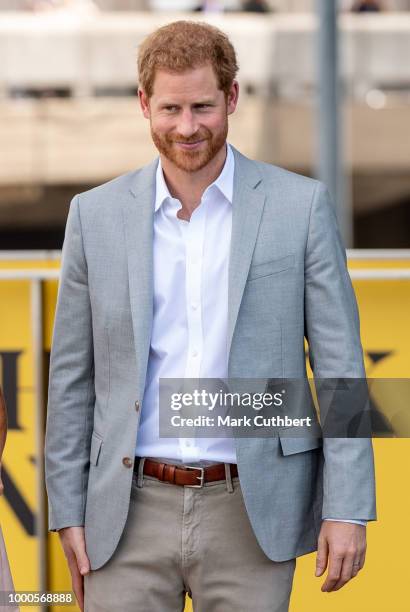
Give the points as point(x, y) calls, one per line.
point(356, 521)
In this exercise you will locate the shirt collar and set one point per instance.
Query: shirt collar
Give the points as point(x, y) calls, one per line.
point(224, 182)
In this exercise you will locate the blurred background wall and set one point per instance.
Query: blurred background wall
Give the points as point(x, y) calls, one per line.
point(69, 116)
point(137, 5)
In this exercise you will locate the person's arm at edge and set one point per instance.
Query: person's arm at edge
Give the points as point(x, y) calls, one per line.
point(3, 432)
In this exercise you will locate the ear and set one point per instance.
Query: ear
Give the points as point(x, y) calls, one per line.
point(232, 99)
point(144, 103)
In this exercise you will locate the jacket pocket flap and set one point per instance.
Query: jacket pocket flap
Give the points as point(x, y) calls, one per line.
point(96, 443)
point(271, 267)
point(291, 446)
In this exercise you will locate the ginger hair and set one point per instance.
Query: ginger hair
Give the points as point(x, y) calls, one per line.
point(185, 45)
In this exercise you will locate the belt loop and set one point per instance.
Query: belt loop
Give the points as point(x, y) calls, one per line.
point(140, 476)
point(228, 476)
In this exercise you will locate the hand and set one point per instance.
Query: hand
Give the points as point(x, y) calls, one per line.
point(1, 483)
point(73, 542)
point(343, 546)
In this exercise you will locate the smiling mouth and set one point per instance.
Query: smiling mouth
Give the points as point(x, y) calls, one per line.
point(188, 145)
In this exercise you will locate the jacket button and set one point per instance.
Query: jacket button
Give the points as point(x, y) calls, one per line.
point(137, 405)
point(127, 462)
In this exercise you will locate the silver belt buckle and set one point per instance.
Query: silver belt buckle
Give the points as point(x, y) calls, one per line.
point(201, 478)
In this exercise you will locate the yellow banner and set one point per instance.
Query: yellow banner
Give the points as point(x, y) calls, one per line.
point(384, 310)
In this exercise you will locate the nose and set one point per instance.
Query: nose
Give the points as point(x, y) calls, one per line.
point(187, 125)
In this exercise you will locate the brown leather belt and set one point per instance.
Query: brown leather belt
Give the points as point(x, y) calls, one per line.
point(188, 476)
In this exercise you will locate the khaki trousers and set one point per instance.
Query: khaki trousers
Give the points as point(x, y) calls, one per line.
point(181, 540)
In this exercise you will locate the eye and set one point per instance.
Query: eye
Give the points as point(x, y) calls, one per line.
point(170, 108)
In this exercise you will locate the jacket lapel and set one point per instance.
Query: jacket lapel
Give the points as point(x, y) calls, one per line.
point(138, 219)
point(247, 208)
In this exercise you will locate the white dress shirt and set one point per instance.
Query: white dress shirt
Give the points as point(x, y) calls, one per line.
point(190, 312)
point(189, 332)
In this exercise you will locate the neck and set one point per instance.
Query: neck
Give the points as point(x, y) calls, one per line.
point(188, 187)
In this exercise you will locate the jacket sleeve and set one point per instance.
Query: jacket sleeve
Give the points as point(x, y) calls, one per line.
point(332, 331)
point(71, 394)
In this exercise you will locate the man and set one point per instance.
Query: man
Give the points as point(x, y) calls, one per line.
point(202, 264)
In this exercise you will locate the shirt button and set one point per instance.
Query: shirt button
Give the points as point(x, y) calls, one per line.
point(127, 461)
point(194, 353)
point(137, 405)
point(194, 305)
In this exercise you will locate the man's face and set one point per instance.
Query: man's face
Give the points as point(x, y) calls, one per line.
point(189, 116)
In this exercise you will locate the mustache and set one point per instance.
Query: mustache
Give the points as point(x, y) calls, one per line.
point(190, 140)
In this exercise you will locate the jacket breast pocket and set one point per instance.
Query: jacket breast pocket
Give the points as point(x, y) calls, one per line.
point(291, 446)
point(96, 444)
point(271, 267)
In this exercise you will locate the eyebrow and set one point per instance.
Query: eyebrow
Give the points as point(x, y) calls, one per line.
point(199, 102)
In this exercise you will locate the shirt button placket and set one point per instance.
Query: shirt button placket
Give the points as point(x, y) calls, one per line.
point(194, 249)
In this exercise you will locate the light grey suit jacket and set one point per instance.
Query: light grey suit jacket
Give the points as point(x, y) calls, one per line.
point(287, 280)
